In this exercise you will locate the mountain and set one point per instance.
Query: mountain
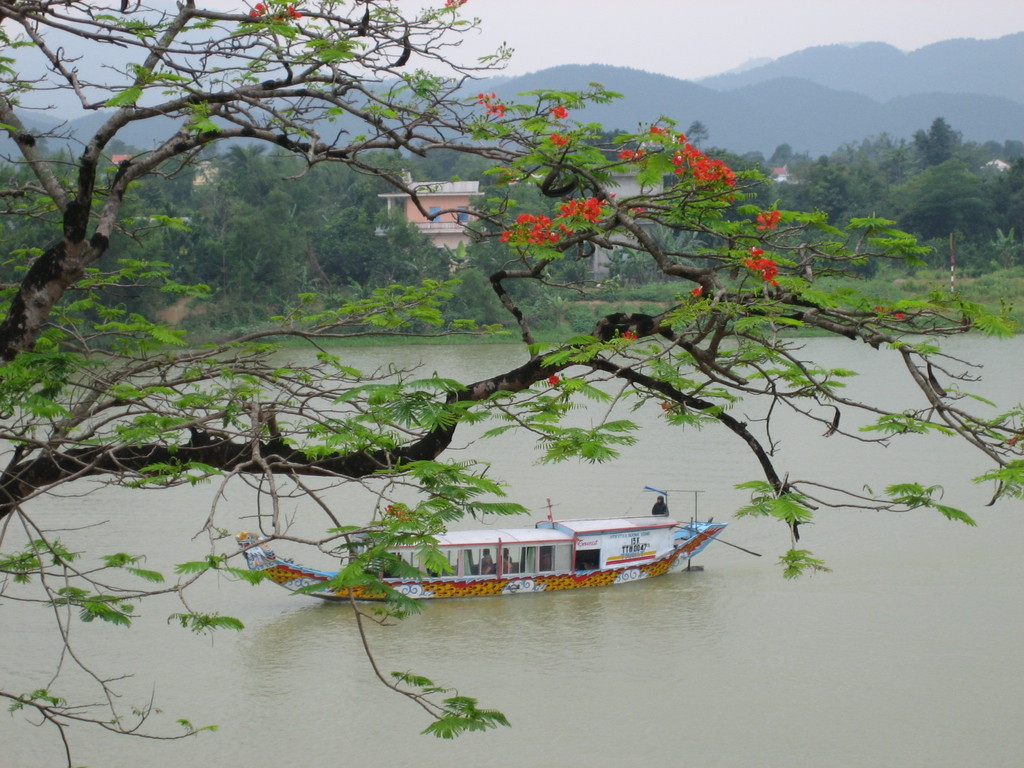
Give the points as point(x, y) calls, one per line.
point(815, 100)
point(882, 72)
point(759, 116)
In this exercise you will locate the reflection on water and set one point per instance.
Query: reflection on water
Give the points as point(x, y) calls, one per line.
point(908, 654)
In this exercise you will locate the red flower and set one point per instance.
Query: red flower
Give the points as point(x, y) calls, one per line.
point(766, 268)
point(657, 130)
point(702, 166)
point(454, 3)
point(262, 9)
point(698, 291)
point(896, 315)
point(559, 140)
point(398, 511)
point(629, 336)
point(494, 107)
point(755, 251)
point(553, 380)
point(706, 169)
point(590, 209)
point(558, 112)
point(768, 219)
point(631, 154)
point(532, 229)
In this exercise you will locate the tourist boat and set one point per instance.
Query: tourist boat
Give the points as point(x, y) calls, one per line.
point(554, 554)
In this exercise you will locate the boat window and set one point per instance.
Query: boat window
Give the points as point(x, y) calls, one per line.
point(512, 559)
point(553, 558)
point(452, 555)
point(470, 562)
point(518, 559)
point(389, 568)
point(407, 555)
point(588, 559)
point(527, 561)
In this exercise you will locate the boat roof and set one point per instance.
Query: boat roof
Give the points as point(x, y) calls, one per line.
point(492, 536)
point(612, 524)
point(552, 531)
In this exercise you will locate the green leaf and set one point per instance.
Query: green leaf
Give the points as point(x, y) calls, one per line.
point(205, 623)
point(789, 507)
point(461, 715)
point(203, 124)
point(1009, 479)
point(797, 562)
point(211, 563)
point(191, 729)
point(127, 562)
point(127, 97)
point(996, 325)
point(915, 496)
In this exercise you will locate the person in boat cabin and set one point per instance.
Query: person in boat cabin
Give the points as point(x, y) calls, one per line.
point(486, 563)
point(506, 563)
point(660, 507)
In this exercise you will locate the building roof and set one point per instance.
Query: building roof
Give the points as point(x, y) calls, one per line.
point(437, 188)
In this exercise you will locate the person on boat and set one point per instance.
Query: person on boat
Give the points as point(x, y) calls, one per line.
point(506, 563)
point(486, 563)
point(660, 507)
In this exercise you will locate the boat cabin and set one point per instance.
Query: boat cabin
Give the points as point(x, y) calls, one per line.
point(552, 547)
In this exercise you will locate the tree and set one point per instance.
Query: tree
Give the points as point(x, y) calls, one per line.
point(946, 198)
point(92, 389)
point(840, 190)
point(782, 155)
point(938, 144)
point(698, 133)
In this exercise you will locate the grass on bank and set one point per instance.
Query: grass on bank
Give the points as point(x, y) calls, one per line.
point(553, 321)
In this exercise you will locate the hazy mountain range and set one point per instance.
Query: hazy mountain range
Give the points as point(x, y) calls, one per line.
point(815, 100)
point(822, 97)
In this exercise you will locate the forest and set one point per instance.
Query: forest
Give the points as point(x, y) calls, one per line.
point(326, 231)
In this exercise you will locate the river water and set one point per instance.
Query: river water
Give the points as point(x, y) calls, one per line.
point(907, 654)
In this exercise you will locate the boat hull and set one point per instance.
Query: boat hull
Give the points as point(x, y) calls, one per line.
point(690, 541)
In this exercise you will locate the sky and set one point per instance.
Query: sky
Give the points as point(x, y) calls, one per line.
point(691, 39)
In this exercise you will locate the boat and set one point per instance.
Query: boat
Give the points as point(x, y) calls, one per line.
point(552, 555)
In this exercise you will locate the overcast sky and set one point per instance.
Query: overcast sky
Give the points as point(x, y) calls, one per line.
point(690, 39)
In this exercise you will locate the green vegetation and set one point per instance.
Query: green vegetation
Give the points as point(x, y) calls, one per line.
point(144, 302)
point(257, 231)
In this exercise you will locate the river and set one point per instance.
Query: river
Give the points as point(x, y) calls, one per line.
point(907, 654)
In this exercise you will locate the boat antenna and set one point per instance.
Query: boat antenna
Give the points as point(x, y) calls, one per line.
point(551, 517)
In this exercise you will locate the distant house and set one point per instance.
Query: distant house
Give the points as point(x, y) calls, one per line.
point(446, 204)
point(206, 173)
point(781, 174)
point(998, 165)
